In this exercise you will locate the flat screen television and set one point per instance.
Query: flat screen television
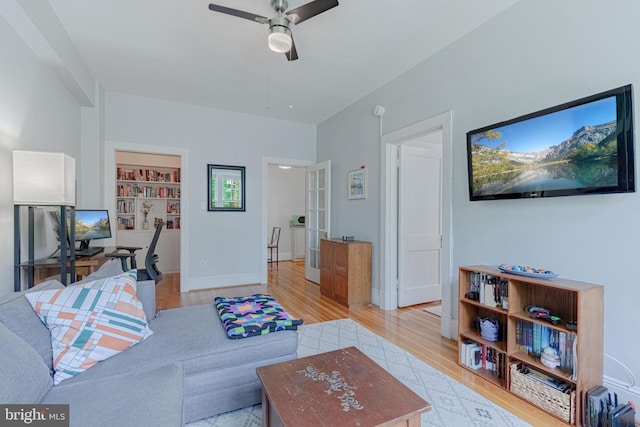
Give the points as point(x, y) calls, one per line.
point(91, 224)
point(580, 147)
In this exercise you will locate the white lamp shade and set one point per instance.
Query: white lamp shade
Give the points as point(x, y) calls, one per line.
point(42, 178)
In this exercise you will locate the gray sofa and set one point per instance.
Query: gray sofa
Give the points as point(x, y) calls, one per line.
point(186, 370)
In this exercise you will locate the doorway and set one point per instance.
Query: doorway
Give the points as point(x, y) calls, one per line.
point(419, 230)
point(179, 234)
point(278, 207)
point(285, 200)
point(148, 192)
point(424, 248)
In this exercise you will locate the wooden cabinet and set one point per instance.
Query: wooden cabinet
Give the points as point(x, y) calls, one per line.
point(514, 357)
point(345, 271)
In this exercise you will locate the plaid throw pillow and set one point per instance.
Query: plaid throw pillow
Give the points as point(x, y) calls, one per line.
point(254, 315)
point(90, 322)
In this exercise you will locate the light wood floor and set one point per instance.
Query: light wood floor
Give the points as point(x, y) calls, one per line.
point(411, 328)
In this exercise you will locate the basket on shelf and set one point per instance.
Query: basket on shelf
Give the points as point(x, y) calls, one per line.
point(558, 403)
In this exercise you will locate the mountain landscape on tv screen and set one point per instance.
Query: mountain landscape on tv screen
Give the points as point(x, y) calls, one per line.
point(586, 159)
point(602, 137)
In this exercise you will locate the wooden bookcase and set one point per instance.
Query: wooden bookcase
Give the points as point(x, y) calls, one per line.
point(146, 194)
point(345, 271)
point(521, 337)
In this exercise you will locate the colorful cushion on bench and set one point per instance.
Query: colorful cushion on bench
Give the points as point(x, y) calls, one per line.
point(254, 315)
point(90, 322)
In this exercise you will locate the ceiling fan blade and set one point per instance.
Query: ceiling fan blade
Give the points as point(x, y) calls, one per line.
point(309, 10)
point(238, 13)
point(292, 55)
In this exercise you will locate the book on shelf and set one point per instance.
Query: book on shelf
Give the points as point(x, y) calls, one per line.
point(476, 356)
point(173, 208)
point(532, 338)
point(126, 223)
point(470, 354)
point(464, 353)
point(149, 175)
point(126, 206)
point(490, 290)
point(147, 191)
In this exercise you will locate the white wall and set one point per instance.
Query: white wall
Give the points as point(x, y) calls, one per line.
point(286, 197)
point(535, 55)
point(36, 113)
point(230, 243)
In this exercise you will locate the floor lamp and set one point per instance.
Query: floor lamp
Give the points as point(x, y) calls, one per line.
point(44, 179)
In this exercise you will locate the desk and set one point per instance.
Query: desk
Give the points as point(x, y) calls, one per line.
point(47, 267)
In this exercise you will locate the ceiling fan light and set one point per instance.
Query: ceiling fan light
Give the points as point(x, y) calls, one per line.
point(280, 39)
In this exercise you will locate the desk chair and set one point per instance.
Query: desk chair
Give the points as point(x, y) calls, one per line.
point(275, 240)
point(150, 272)
point(123, 256)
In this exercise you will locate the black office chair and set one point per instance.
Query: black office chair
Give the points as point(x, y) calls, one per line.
point(123, 256)
point(150, 272)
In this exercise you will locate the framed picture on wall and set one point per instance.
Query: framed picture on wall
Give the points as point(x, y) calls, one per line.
point(226, 188)
point(357, 181)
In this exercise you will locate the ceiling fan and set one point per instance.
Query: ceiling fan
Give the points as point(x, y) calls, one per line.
point(280, 38)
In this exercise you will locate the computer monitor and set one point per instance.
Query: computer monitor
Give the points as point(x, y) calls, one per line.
point(91, 224)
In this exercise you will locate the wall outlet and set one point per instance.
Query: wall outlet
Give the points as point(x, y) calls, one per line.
point(202, 264)
point(202, 205)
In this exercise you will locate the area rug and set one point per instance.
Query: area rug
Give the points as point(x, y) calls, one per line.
point(435, 309)
point(453, 404)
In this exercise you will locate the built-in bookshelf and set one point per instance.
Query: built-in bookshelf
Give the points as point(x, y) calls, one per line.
point(146, 195)
point(549, 361)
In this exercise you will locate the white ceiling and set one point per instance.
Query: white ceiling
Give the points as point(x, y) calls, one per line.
point(179, 50)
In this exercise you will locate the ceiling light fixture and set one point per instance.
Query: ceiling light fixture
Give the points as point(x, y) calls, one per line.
point(279, 35)
point(284, 166)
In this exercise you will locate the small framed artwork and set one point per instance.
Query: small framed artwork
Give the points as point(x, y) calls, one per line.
point(357, 184)
point(226, 188)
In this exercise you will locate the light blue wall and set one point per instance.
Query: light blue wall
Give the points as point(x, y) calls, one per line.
point(535, 55)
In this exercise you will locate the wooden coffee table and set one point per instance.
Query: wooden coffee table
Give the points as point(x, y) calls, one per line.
point(339, 388)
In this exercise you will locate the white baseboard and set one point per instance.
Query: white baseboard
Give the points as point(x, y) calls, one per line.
point(221, 281)
point(454, 328)
point(375, 297)
point(282, 256)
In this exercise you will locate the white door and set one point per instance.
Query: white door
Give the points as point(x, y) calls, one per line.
point(419, 223)
point(318, 215)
